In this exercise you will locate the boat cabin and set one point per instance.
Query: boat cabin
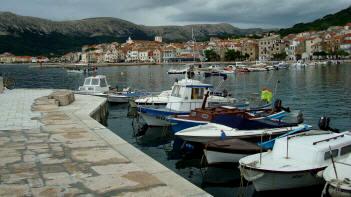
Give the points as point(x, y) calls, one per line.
point(313, 147)
point(187, 94)
point(96, 83)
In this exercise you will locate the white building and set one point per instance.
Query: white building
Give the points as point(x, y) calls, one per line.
point(158, 38)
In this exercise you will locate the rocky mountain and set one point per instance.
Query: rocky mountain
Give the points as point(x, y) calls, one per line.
point(35, 36)
point(340, 18)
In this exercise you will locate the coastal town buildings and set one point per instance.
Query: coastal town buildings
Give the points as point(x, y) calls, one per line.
point(270, 46)
point(307, 46)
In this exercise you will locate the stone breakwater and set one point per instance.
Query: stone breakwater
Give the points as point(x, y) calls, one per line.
point(62, 151)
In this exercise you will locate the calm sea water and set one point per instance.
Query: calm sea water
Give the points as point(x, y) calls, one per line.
point(316, 91)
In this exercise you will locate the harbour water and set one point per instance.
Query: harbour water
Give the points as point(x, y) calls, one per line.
point(316, 91)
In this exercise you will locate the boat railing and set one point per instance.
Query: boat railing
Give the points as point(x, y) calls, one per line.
point(328, 139)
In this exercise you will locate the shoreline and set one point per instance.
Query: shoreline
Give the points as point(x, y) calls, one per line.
point(72, 65)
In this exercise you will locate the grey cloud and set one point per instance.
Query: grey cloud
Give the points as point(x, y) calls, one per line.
point(251, 13)
point(261, 12)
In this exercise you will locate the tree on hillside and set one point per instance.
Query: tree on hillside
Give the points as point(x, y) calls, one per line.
point(339, 54)
point(279, 56)
point(211, 55)
point(232, 55)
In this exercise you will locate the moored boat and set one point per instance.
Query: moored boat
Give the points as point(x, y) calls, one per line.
point(295, 160)
point(338, 177)
point(187, 94)
point(201, 116)
point(177, 71)
point(94, 85)
point(232, 150)
point(228, 151)
point(213, 131)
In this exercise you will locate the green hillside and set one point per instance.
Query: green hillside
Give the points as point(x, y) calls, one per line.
point(337, 19)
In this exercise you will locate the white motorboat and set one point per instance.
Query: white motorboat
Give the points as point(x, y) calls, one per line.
point(338, 177)
point(78, 71)
point(232, 150)
point(213, 131)
point(164, 97)
point(124, 96)
point(300, 64)
point(160, 99)
point(177, 71)
point(295, 160)
point(281, 65)
point(94, 85)
point(187, 94)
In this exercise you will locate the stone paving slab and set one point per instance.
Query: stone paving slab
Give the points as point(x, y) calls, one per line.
point(61, 151)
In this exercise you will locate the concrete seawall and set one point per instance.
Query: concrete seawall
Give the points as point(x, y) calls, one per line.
point(47, 150)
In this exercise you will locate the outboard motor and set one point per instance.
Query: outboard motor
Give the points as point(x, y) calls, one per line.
point(225, 93)
point(323, 124)
point(277, 107)
point(190, 74)
point(294, 117)
point(142, 130)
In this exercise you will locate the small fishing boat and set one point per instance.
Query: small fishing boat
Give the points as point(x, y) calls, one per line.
point(221, 152)
point(253, 132)
point(229, 68)
point(177, 71)
point(94, 85)
point(295, 160)
point(160, 99)
point(300, 64)
point(215, 73)
point(242, 70)
point(78, 71)
point(124, 96)
point(202, 116)
point(232, 150)
point(187, 94)
point(281, 65)
point(338, 177)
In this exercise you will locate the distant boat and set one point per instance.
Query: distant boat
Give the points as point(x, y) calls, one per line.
point(300, 64)
point(177, 71)
point(124, 96)
point(94, 85)
point(281, 65)
point(295, 160)
point(79, 71)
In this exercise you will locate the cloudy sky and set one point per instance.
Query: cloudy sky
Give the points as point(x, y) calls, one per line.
point(240, 13)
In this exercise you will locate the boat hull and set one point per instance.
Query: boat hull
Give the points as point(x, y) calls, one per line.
point(180, 124)
point(216, 157)
point(268, 181)
point(118, 99)
point(335, 191)
point(155, 121)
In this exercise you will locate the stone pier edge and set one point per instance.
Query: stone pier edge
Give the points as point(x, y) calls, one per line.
point(136, 156)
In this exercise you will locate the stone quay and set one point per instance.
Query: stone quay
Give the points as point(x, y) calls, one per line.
point(52, 144)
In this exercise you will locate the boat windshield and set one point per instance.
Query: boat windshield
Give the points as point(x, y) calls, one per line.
point(103, 82)
point(87, 81)
point(94, 82)
point(175, 91)
point(197, 93)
